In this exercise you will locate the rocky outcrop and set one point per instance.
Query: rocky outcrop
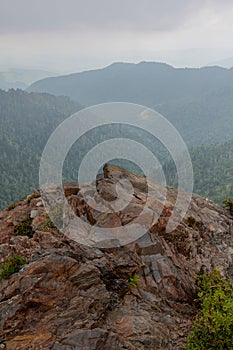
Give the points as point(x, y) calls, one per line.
point(71, 296)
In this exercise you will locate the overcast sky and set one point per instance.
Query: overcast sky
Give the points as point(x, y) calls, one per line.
point(73, 35)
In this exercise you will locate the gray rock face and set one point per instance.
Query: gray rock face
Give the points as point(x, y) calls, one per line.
point(71, 297)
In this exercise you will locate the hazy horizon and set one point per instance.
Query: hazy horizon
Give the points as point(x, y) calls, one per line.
point(225, 62)
point(72, 36)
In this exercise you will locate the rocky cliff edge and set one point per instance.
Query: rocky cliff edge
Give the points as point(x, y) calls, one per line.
point(136, 297)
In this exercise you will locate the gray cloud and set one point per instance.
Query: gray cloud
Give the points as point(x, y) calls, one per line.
point(74, 35)
point(73, 15)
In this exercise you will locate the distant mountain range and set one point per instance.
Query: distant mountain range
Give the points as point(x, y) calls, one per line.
point(19, 78)
point(226, 62)
point(5, 84)
point(148, 83)
point(199, 102)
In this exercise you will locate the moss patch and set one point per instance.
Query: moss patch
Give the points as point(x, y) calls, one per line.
point(11, 265)
point(34, 195)
point(24, 228)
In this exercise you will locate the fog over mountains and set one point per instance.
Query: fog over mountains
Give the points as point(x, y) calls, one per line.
point(20, 78)
point(198, 101)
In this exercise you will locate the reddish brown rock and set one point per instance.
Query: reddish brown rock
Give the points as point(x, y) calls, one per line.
point(70, 296)
point(70, 188)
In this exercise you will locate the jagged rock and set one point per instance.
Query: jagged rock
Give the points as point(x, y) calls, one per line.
point(70, 188)
point(71, 296)
point(34, 214)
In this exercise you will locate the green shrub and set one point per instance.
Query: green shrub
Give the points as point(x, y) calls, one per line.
point(13, 205)
point(228, 204)
point(24, 228)
point(213, 325)
point(47, 225)
point(133, 280)
point(191, 221)
point(32, 196)
point(11, 265)
point(54, 218)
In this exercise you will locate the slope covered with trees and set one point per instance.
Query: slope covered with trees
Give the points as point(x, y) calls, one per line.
point(28, 119)
point(213, 171)
point(26, 122)
point(199, 102)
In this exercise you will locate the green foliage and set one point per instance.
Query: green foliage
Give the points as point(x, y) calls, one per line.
point(11, 265)
point(213, 171)
point(213, 325)
point(13, 205)
point(54, 218)
point(133, 280)
point(24, 228)
point(37, 115)
point(191, 221)
point(32, 196)
point(26, 122)
point(228, 204)
point(47, 225)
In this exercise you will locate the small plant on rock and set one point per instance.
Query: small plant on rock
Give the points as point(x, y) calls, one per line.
point(133, 280)
point(47, 225)
point(24, 228)
point(13, 205)
point(228, 204)
point(11, 265)
point(191, 221)
point(32, 196)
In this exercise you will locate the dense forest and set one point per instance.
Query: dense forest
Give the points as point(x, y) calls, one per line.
point(26, 122)
point(28, 119)
point(213, 171)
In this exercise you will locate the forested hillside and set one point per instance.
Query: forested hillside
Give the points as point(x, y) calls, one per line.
point(213, 171)
point(206, 120)
point(26, 122)
point(28, 119)
point(199, 102)
point(146, 83)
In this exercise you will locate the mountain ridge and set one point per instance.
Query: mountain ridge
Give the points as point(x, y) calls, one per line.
point(198, 102)
point(111, 80)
